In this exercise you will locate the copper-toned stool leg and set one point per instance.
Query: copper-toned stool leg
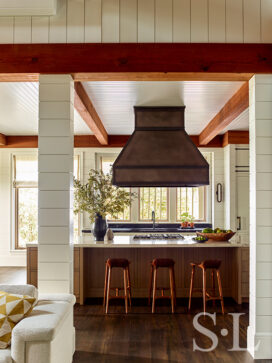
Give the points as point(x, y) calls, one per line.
point(213, 286)
point(150, 285)
point(105, 285)
point(125, 290)
point(108, 290)
point(172, 289)
point(129, 286)
point(154, 289)
point(220, 291)
point(174, 285)
point(191, 287)
point(204, 290)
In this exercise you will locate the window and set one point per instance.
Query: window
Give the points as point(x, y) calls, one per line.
point(106, 162)
point(191, 200)
point(25, 185)
point(153, 199)
point(168, 203)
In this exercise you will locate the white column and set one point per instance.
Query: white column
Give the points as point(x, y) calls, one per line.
point(260, 318)
point(55, 220)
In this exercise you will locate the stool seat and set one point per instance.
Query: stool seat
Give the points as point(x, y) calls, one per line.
point(118, 262)
point(208, 264)
point(163, 262)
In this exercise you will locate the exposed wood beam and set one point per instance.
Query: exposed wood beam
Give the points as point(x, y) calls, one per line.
point(135, 76)
point(90, 141)
point(160, 76)
point(19, 77)
point(3, 139)
point(85, 108)
point(238, 103)
point(136, 57)
point(235, 137)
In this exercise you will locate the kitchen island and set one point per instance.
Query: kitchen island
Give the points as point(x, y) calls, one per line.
point(90, 257)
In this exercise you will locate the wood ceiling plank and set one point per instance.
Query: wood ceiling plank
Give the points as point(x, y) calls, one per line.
point(136, 57)
point(238, 103)
point(3, 139)
point(85, 108)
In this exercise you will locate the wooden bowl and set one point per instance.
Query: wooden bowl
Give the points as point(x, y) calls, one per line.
point(219, 237)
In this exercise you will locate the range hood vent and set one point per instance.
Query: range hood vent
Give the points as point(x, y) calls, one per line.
point(160, 153)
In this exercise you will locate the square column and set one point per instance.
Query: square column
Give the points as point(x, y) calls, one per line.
point(55, 190)
point(260, 124)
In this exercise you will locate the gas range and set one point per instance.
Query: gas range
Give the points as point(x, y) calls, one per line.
point(159, 236)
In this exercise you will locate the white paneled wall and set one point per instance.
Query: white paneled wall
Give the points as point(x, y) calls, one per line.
point(55, 207)
point(248, 21)
point(260, 328)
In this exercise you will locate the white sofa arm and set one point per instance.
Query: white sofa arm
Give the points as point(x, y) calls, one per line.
point(51, 320)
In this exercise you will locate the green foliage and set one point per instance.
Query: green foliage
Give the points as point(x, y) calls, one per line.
point(99, 196)
point(186, 217)
point(28, 215)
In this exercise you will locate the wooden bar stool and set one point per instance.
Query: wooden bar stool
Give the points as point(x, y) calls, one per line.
point(155, 265)
point(212, 265)
point(118, 263)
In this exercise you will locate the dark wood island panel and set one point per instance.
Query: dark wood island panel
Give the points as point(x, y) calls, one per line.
point(89, 269)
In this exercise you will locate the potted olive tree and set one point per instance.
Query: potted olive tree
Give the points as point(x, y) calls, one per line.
point(99, 198)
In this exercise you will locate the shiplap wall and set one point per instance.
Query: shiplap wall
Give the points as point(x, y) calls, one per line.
point(260, 123)
point(220, 21)
point(55, 186)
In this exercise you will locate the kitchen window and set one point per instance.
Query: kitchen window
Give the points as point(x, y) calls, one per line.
point(168, 203)
point(153, 199)
point(106, 162)
point(191, 200)
point(25, 188)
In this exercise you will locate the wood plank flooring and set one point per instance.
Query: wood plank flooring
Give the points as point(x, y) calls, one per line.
point(162, 337)
point(146, 338)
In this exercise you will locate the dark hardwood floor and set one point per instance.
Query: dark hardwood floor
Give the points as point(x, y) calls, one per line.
point(163, 337)
point(148, 338)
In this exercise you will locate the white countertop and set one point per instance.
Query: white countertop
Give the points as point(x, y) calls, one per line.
point(127, 241)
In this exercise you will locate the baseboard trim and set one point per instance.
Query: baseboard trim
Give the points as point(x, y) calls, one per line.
point(259, 345)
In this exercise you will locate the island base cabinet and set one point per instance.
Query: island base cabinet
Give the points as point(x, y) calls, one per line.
point(89, 269)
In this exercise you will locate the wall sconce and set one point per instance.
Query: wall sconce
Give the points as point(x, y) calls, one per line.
point(219, 192)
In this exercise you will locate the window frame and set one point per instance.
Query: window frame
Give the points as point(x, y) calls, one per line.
point(99, 157)
point(204, 220)
point(15, 199)
point(150, 220)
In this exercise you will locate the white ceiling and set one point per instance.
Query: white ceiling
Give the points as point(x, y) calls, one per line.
point(114, 103)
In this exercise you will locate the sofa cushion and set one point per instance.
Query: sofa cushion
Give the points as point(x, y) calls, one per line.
point(13, 308)
point(5, 356)
point(29, 290)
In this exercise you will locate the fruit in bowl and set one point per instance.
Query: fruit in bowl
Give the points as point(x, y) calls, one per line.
point(216, 234)
point(200, 239)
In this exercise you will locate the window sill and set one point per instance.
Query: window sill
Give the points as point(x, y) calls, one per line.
point(18, 252)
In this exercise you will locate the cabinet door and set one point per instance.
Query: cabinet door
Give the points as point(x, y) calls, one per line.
point(242, 193)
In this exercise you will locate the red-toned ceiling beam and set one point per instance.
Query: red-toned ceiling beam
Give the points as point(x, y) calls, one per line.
point(136, 57)
point(235, 137)
point(238, 103)
point(3, 139)
point(89, 141)
point(85, 108)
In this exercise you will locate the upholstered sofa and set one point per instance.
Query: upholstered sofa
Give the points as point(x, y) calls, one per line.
point(47, 334)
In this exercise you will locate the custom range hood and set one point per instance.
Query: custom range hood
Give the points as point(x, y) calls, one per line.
point(160, 153)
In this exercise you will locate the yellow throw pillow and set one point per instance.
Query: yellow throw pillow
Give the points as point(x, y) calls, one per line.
point(13, 308)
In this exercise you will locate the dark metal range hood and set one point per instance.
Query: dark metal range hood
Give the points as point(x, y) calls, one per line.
point(160, 153)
